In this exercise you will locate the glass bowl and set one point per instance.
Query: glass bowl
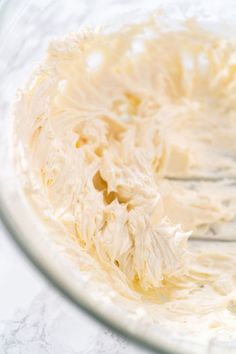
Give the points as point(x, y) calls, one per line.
point(26, 28)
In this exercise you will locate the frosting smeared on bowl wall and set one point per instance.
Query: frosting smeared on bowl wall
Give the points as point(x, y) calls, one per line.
point(129, 145)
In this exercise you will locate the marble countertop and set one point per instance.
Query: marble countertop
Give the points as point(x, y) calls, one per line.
point(35, 319)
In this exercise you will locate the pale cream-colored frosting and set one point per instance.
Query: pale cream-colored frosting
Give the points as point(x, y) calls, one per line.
point(129, 146)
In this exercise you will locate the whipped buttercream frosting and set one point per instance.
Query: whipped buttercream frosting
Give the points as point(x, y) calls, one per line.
point(128, 146)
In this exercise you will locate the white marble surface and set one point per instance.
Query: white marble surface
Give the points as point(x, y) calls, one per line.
point(35, 319)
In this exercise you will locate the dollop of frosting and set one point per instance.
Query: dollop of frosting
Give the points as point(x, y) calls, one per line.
point(117, 130)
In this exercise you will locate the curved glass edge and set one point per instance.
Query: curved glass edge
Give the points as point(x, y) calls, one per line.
point(10, 10)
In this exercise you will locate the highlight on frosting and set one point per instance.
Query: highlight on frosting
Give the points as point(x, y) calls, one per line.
point(129, 147)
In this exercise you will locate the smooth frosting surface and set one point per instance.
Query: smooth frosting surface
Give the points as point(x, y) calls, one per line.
point(128, 145)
